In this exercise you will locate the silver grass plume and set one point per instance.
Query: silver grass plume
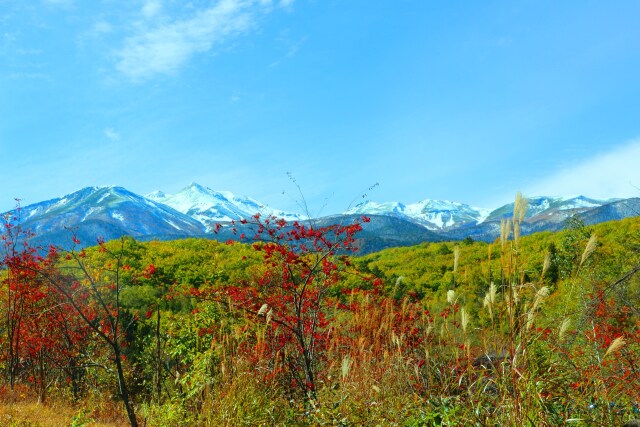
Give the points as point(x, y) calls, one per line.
point(546, 264)
point(451, 296)
point(542, 293)
point(615, 346)
point(263, 309)
point(490, 298)
point(346, 366)
point(519, 211)
point(464, 319)
point(588, 250)
point(456, 258)
point(505, 230)
point(516, 232)
point(564, 327)
point(520, 208)
point(399, 280)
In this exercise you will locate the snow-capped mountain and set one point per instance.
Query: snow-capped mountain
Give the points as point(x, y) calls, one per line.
point(210, 207)
point(549, 206)
point(445, 216)
point(111, 212)
point(107, 212)
point(432, 214)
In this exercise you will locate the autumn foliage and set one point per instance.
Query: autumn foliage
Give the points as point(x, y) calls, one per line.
point(292, 327)
point(302, 264)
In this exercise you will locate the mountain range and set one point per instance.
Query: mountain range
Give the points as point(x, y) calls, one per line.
point(110, 212)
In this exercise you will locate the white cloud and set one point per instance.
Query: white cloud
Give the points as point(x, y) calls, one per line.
point(165, 48)
point(151, 8)
point(112, 134)
point(612, 174)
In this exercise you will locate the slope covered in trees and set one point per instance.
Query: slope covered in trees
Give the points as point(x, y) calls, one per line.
point(292, 330)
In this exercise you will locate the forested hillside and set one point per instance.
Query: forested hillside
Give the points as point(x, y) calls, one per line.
point(293, 330)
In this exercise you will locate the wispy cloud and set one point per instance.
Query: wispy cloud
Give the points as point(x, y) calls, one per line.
point(291, 45)
point(164, 45)
point(295, 46)
point(112, 134)
point(611, 174)
point(101, 27)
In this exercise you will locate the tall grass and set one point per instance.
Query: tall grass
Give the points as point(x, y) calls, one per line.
point(396, 362)
point(500, 358)
point(515, 354)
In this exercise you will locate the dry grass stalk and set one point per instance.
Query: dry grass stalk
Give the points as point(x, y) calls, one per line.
point(456, 258)
point(512, 299)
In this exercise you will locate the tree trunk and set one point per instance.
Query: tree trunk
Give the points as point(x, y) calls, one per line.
point(74, 375)
point(42, 373)
point(158, 358)
point(124, 392)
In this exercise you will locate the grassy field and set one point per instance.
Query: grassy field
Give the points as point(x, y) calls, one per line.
point(21, 409)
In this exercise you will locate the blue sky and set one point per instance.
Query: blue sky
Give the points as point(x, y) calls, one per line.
point(465, 101)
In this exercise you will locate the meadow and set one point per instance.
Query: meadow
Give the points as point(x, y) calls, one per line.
point(298, 329)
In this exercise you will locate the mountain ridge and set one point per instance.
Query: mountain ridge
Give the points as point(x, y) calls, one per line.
point(107, 212)
point(112, 211)
point(210, 206)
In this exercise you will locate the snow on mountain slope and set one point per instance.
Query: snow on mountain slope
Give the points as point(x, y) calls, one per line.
point(433, 214)
point(112, 210)
point(443, 215)
point(541, 206)
point(210, 207)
